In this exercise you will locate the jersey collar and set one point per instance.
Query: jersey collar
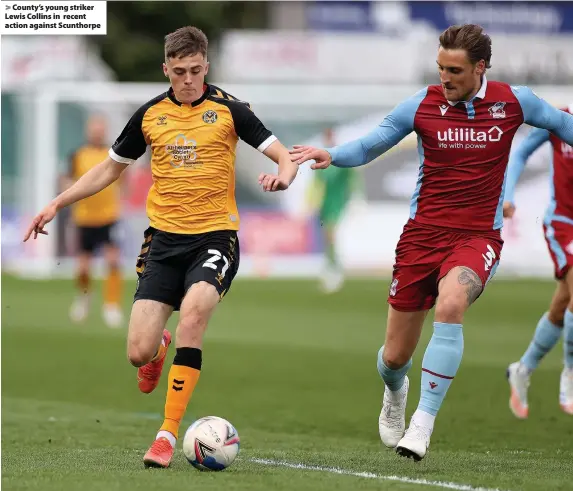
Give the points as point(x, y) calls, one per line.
point(480, 94)
point(206, 92)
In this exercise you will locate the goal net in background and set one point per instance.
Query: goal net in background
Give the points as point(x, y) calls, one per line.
point(278, 235)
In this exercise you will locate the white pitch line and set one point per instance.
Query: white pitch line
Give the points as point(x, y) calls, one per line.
point(370, 475)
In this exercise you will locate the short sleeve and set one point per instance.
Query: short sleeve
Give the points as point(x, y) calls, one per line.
point(131, 144)
point(249, 128)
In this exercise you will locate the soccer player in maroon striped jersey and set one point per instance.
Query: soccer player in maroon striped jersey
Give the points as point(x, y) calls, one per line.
point(558, 230)
point(451, 244)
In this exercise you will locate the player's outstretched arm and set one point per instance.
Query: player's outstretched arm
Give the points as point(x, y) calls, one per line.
point(517, 160)
point(278, 153)
point(397, 125)
point(356, 152)
point(541, 114)
point(92, 182)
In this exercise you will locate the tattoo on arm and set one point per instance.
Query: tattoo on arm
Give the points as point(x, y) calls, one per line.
point(472, 282)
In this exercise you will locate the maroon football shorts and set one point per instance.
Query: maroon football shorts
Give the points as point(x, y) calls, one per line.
point(425, 254)
point(559, 238)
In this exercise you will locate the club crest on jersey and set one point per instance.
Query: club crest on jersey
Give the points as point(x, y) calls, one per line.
point(497, 111)
point(209, 116)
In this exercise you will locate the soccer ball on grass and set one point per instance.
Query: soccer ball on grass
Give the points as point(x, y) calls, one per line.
point(211, 444)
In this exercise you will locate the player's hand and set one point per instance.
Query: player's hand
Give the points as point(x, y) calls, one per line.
point(271, 182)
point(508, 209)
point(303, 153)
point(41, 220)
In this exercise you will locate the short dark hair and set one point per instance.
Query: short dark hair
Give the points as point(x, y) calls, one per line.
point(471, 38)
point(186, 41)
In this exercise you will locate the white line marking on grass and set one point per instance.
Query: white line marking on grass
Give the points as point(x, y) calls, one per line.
point(370, 475)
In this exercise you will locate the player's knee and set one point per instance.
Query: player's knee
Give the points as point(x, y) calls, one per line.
point(112, 257)
point(395, 361)
point(560, 302)
point(140, 354)
point(191, 326)
point(451, 307)
point(556, 313)
point(395, 357)
point(196, 310)
point(193, 318)
point(556, 318)
point(83, 264)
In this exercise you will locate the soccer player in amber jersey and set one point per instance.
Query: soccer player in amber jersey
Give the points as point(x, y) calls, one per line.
point(95, 219)
point(451, 244)
point(190, 252)
point(558, 230)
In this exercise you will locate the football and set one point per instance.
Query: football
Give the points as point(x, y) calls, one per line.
point(211, 444)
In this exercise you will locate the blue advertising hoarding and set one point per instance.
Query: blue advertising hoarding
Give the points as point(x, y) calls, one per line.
point(340, 16)
point(511, 17)
point(501, 17)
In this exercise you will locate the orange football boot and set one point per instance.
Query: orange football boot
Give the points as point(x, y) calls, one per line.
point(148, 375)
point(159, 454)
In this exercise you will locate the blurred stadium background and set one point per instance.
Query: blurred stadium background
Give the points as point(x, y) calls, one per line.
point(304, 66)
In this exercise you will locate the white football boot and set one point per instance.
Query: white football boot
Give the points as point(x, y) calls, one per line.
point(80, 308)
point(416, 441)
point(518, 378)
point(332, 280)
point(112, 315)
point(566, 390)
point(392, 420)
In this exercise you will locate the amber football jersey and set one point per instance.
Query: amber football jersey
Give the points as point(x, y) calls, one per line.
point(102, 208)
point(192, 158)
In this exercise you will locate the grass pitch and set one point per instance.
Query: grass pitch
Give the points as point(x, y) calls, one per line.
point(295, 371)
